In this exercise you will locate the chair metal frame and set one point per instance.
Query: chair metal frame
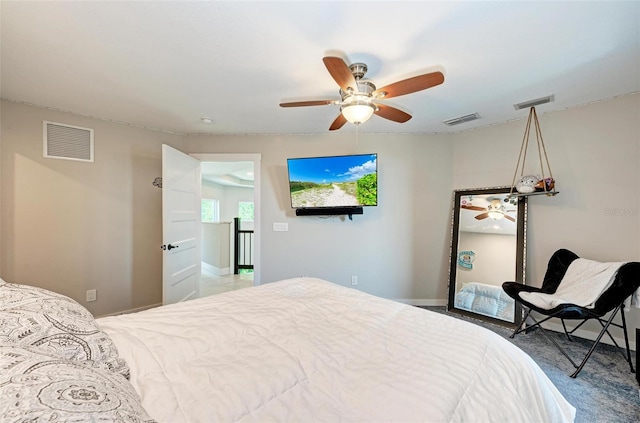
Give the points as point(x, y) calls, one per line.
point(605, 329)
point(612, 300)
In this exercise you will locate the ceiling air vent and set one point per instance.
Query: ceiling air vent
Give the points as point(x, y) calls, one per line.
point(533, 103)
point(461, 119)
point(67, 142)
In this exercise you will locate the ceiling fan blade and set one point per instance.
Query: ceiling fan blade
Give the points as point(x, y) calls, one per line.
point(340, 72)
point(338, 123)
point(392, 113)
point(476, 208)
point(509, 218)
point(482, 216)
point(410, 85)
point(307, 103)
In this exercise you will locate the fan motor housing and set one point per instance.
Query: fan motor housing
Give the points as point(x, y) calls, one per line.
point(365, 88)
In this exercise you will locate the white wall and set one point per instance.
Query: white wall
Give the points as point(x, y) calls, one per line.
point(71, 226)
point(215, 247)
point(495, 258)
point(1, 196)
point(215, 192)
point(398, 249)
point(234, 195)
point(594, 152)
point(229, 197)
point(65, 224)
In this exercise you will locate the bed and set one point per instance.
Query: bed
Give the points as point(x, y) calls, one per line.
point(297, 350)
point(488, 300)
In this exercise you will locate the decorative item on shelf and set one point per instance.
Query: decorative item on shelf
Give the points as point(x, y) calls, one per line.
point(527, 184)
point(532, 184)
point(547, 184)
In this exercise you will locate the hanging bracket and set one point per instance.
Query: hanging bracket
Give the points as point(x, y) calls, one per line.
point(546, 185)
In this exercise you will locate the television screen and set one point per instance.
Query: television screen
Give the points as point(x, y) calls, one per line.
point(336, 181)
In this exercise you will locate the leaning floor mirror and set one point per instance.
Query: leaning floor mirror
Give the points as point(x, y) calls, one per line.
point(488, 247)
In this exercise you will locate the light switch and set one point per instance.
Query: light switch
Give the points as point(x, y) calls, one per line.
point(280, 227)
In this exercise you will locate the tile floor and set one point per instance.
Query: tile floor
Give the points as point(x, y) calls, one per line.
point(211, 283)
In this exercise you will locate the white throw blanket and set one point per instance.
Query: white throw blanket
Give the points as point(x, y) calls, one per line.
point(583, 283)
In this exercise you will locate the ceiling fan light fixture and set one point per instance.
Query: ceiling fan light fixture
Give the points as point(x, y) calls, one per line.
point(357, 95)
point(357, 112)
point(495, 215)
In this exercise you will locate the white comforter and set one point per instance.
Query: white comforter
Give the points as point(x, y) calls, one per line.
point(307, 350)
point(488, 300)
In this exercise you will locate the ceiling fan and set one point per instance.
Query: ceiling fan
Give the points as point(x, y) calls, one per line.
point(494, 210)
point(359, 97)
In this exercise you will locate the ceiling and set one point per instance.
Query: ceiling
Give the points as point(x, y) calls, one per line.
point(235, 174)
point(165, 65)
point(469, 223)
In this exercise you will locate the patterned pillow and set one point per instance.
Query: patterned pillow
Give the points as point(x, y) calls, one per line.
point(37, 387)
point(56, 324)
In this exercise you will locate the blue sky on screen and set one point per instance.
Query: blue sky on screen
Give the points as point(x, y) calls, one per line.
point(323, 170)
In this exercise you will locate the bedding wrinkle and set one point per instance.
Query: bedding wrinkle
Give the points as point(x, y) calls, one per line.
point(306, 350)
point(140, 356)
point(476, 371)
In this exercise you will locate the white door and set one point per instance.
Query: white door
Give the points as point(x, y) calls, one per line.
point(180, 226)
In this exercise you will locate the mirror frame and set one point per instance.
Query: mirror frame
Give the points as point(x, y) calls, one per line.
point(521, 248)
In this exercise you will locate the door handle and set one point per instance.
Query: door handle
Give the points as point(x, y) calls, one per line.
point(169, 247)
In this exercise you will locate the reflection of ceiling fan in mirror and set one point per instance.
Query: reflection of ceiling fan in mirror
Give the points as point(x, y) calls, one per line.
point(359, 98)
point(495, 210)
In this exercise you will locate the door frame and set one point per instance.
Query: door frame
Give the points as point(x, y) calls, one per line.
point(245, 157)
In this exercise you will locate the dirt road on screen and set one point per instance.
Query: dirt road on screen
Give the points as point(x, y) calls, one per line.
point(323, 197)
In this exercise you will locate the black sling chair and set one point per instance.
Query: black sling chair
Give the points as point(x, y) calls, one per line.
point(625, 283)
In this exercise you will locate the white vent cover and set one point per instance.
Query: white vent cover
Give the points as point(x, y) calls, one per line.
point(68, 142)
point(461, 119)
point(533, 103)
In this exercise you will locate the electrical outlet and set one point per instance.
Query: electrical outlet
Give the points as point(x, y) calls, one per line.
point(92, 295)
point(354, 280)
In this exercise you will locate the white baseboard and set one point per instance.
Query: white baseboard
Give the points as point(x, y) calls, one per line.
point(215, 270)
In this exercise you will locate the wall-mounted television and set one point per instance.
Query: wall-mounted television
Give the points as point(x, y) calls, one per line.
point(331, 183)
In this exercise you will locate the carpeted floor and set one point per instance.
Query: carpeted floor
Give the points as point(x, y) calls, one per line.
point(605, 391)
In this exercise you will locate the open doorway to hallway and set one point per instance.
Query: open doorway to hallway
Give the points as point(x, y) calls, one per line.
point(229, 201)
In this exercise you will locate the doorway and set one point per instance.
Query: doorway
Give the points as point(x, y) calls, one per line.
point(230, 189)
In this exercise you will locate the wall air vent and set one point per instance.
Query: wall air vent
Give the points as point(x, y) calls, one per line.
point(61, 141)
point(533, 103)
point(461, 119)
